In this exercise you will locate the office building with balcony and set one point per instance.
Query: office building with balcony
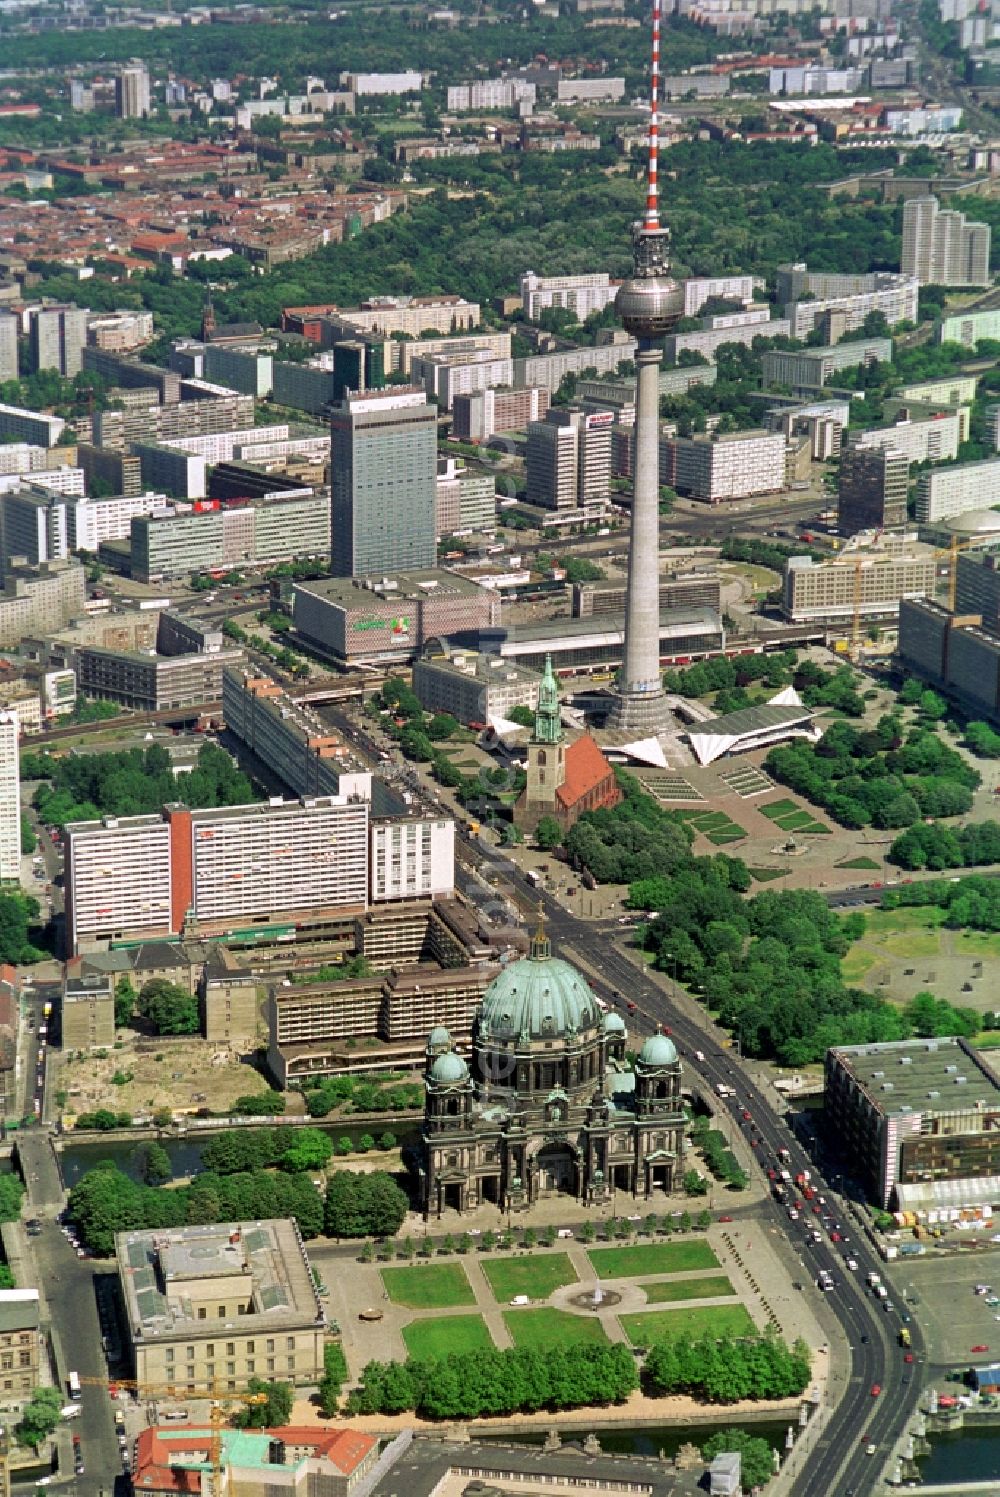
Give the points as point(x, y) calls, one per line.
point(830, 592)
point(148, 682)
point(569, 459)
point(212, 871)
point(464, 502)
point(132, 99)
point(217, 1306)
point(734, 466)
point(850, 298)
point(38, 600)
point(920, 438)
point(579, 294)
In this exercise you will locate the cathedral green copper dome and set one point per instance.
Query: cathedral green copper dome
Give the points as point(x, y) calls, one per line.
point(658, 1050)
point(449, 1067)
point(614, 1024)
point(540, 997)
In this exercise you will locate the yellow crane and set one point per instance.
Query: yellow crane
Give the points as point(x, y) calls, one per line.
point(857, 560)
point(222, 1396)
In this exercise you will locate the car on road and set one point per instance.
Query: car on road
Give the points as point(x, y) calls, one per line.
point(876, 1389)
point(852, 1264)
point(979, 1347)
point(871, 1449)
point(746, 1116)
point(834, 1236)
point(725, 1218)
point(908, 1356)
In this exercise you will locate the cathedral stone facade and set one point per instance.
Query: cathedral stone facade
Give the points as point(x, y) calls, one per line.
point(549, 1105)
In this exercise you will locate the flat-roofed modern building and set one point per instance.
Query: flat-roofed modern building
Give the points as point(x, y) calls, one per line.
point(88, 1012)
point(941, 247)
point(284, 525)
point(38, 600)
point(920, 1119)
point(212, 871)
point(873, 484)
point(967, 328)
point(382, 479)
point(579, 294)
point(482, 413)
point(977, 585)
point(390, 620)
point(952, 652)
point(944, 492)
point(830, 591)
point(930, 438)
point(473, 687)
point(219, 1305)
point(808, 370)
point(10, 799)
point(734, 466)
point(151, 682)
point(851, 298)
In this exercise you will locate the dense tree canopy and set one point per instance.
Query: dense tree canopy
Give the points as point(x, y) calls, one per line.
point(877, 776)
point(134, 782)
point(364, 1205)
point(168, 1008)
point(725, 1371)
point(106, 1201)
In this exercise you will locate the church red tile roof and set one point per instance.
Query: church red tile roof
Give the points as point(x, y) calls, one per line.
point(586, 769)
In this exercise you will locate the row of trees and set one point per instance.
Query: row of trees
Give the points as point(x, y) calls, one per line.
point(718, 1156)
point(725, 1370)
point(882, 776)
point(134, 782)
point(935, 847)
point(470, 1385)
point(971, 903)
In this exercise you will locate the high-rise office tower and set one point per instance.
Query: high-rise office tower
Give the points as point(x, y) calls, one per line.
point(33, 524)
point(649, 304)
point(9, 328)
point(58, 335)
point(873, 486)
point(383, 483)
point(942, 248)
point(10, 800)
point(569, 459)
point(132, 91)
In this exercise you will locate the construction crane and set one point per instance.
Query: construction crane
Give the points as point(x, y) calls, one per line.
point(222, 1398)
point(857, 560)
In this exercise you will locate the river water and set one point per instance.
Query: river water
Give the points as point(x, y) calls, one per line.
point(969, 1455)
point(184, 1153)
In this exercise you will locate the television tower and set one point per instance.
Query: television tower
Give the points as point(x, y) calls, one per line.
point(649, 304)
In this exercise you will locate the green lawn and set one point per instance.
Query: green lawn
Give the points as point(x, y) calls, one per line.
point(650, 1326)
point(652, 1257)
point(440, 1334)
point(428, 1286)
point(540, 1329)
point(765, 875)
point(868, 863)
point(724, 835)
point(536, 1275)
point(671, 1291)
point(775, 809)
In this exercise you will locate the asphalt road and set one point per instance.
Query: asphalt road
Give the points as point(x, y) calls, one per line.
point(71, 1287)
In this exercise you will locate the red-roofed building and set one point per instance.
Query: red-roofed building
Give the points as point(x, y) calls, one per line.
point(564, 779)
point(292, 1459)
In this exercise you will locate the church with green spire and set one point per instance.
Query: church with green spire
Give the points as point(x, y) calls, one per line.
point(565, 778)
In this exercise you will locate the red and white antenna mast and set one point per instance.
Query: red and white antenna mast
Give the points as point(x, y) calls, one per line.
point(652, 219)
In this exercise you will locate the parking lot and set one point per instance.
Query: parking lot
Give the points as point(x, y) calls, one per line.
point(954, 1318)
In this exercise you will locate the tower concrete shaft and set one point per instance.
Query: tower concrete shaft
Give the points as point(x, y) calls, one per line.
point(640, 705)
